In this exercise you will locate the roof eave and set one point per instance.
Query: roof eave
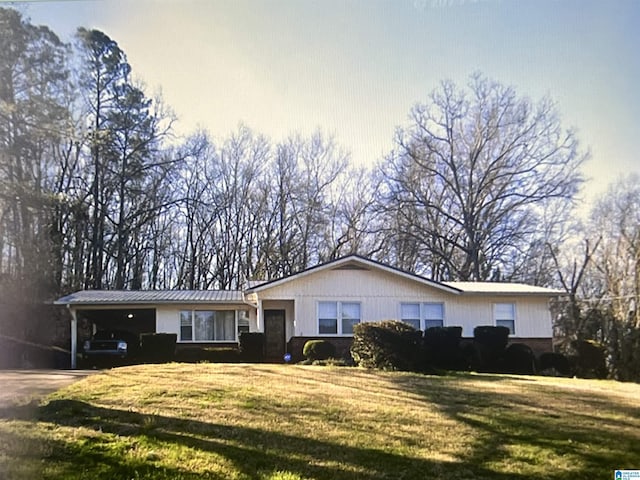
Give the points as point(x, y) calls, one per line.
point(514, 294)
point(358, 259)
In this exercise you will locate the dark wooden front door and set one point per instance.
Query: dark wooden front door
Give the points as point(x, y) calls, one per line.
point(274, 333)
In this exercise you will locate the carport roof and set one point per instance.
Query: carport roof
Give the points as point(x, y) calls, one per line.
point(150, 297)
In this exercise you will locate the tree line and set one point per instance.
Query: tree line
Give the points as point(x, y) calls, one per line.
point(97, 191)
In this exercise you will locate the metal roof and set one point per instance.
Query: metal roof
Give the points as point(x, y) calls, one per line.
point(147, 297)
point(502, 288)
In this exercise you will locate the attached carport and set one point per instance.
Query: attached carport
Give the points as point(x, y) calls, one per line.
point(129, 311)
point(134, 320)
point(138, 311)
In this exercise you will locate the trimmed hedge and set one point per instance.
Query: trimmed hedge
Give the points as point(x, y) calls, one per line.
point(252, 346)
point(158, 347)
point(519, 358)
point(590, 360)
point(489, 343)
point(318, 350)
point(208, 355)
point(442, 346)
point(554, 361)
point(388, 345)
point(494, 338)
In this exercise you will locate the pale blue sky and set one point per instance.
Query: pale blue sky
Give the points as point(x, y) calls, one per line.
point(355, 68)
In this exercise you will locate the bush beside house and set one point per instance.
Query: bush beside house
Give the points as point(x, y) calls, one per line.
point(518, 358)
point(589, 360)
point(393, 345)
point(388, 345)
point(318, 350)
point(158, 347)
point(202, 354)
point(554, 364)
point(252, 347)
point(442, 348)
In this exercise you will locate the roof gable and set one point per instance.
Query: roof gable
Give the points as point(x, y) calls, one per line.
point(355, 262)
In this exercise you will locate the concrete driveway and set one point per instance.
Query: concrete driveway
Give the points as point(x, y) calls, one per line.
point(24, 386)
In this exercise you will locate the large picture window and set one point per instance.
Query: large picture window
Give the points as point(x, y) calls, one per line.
point(422, 315)
point(337, 318)
point(208, 326)
point(505, 316)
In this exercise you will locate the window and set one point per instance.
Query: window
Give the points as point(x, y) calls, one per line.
point(433, 315)
point(328, 318)
point(422, 315)
point(410, 313)
point(337, 318)
point(186, 326)
point(505, 316)
point(208, 326)
point(350, 317)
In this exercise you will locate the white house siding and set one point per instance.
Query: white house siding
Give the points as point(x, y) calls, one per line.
point(381, 293)
point(168, 319)
point(533, 319)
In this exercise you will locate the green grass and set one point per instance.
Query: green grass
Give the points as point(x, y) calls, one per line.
point(273, 422)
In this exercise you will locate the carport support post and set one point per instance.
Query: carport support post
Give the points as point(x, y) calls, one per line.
point(74, 337)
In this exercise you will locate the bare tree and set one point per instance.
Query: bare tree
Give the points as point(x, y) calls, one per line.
point(573, 270)
point(303, 184)
point(471, 178)
point(351, 213)
point(616, 217)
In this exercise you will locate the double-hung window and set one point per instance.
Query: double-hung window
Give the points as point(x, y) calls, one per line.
point(410, 313)
point(337, 318)
point(505, 316)
point(208, 326)
point(422, 315)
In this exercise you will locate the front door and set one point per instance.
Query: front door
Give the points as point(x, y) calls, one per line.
point(274, 333)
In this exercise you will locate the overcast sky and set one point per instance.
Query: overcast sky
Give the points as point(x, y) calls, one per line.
point(355, 68)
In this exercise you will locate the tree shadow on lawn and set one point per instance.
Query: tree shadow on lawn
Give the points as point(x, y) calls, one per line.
point(31, 458)
point(254, 453)
point(584, 426)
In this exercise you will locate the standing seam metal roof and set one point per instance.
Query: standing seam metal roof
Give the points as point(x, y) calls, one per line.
point(116, 297)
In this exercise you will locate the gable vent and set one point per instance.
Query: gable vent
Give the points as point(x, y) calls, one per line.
point(351, 266)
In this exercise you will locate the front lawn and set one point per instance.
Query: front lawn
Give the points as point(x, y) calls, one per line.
point(234, 421)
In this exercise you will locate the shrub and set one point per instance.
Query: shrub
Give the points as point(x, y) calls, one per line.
point(318, 350)
point(590, 360)
point(489, 344)
point(329, 362)
point(442, 346)
point(519, 358)
point(252, 346)
point(221, 355)
point(495, 338)
point(158, 347)
point(554, 361)
point(387, 345)
point(472, 356)
point(208, 354)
